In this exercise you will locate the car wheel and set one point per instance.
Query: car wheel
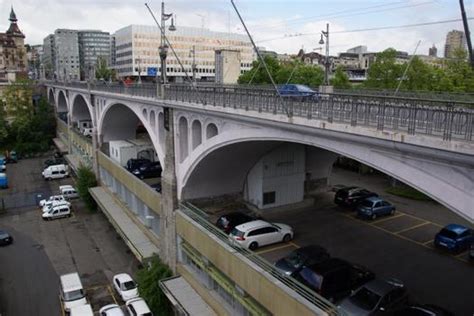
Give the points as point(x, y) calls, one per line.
point(374, 216)
point(392, 212)
point(287, 238)
point(253, 245)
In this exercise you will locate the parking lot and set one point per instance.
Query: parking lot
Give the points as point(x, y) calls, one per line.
point(398, 246)
point(42, 251)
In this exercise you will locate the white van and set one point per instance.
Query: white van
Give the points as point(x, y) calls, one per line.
point(71, 292)
point(51, 199)
point(57, 211)
point(48, 206)
point(83, 310)
point(56, 172)
point(68, 191)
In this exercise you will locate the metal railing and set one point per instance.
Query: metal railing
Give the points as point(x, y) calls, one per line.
point(320, 302)
point(449, 120)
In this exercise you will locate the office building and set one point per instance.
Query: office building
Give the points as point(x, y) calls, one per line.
point(455, 40)
point(48, 62)
point(93, 44)
point(67, 54)
point(137, 51)
point(433, 51)
point(228, 64)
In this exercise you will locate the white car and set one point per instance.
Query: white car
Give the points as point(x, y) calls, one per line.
point(258, 233)
point(58, 211)
point(125, 286)
point(111, 310)
point(49, 205)
point(51, 199)
point(3, 167)
point(138, 307)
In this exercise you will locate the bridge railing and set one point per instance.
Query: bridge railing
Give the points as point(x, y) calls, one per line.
point(445, 119)
point(440, 118)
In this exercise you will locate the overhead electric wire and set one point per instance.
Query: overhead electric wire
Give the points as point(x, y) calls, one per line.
point(366, 29)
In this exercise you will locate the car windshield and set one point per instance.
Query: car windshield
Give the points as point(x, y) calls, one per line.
point(448, 233)
point(276, 226)
point(302, 88)
point(367, 203)
point(73, 295)
point(237, 232)
point(295, 258)
point(366, 299)
point(129, 285)
point(313, 279)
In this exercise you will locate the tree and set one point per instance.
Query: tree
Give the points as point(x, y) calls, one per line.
point(258, 74)
point(19, 99)
point(419, 75)
point(85, 180)
point(147, 279)
point(102, 71)
point(3, 126)
point(384, 73)
point(341, 79)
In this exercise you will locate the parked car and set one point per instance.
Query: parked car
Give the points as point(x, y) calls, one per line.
point(5, 238)
point(374, 207)
point(3, 167)
point(471, 251)
point(149, 170)
point(125, 286)
point(138, 307)
point(133, 164)
point(298, 258)
point(298, 92)
point(228, 221)
point(258, 233)
point(57, 211)
point(68, 191)
point(375, 297)
point(82, 310)
point(334, 278)
point(50, 199)
point(49, 205)
point(3, 181)
point(56, 172)
point(54, 161)
point(351, 196)
point(12, 157)
point(454, 237)
point(422, 310)
point(71, 291)
point(111, 310)
point(156, 187)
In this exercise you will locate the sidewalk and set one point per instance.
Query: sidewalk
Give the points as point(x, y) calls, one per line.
point(429, 210)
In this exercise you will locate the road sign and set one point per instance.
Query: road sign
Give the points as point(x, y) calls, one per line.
point(152, 71)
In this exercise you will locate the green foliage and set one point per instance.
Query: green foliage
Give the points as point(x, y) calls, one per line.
point(85, 180)
point(384, 73)
point(341, 79)
point(303, 74)
point(148, 286)
point(19, 99)
point(102, 71)
point(3, 126)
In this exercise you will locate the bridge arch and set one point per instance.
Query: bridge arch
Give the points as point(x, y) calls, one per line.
point(62, 102)
point(51, 97)
point(81, 109)
point(221, 165)
point(119, 121)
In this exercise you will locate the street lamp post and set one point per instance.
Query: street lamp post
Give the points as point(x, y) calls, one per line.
point(326, 61)
point(163, 47)
point(139, 70)
point(193, 66)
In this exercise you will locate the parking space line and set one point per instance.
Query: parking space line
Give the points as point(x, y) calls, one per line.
point(294, 245)
point(461, 254)
point(274, 248)
point(428, 242)
point(112, 294)
point(413, 227)
point(387, 219)
point(422, 219)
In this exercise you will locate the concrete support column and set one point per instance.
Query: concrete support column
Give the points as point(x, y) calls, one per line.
point(69, 131)
point(95, 144)
point(169, 200)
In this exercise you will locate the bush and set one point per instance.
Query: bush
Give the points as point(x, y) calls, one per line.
point(408, 192)
point(149, 288)
point(85, 180)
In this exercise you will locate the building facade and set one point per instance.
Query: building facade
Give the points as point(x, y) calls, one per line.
point(48, 63)
point(67, 54)
point(433, 51)
point(455, 40)
point(13, 59)
point(34, 56)
point(93, 44)
point(137, 53)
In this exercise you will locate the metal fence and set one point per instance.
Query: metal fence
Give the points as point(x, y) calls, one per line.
point(197, 216)
point(449, 120)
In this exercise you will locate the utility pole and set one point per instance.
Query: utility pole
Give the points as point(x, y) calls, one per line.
point(326, 61)
point(466, 31)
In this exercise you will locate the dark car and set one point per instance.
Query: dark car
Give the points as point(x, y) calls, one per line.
point(298, 92)
point(374, 207)
point(454, 237)
point(375, 297)
point(228, 221)
point(334, 278)
point(5, 238)
point(471, 251)
point(54, 161)
point(300, 257)
point(351, 196)
point(133, 164)
point(149, 170)
point(422, 310)
point(156, 187)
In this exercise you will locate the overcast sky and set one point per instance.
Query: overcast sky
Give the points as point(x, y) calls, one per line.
point(273, 23)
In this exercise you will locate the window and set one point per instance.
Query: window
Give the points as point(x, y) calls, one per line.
point(256, 232)
point(269, 197)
